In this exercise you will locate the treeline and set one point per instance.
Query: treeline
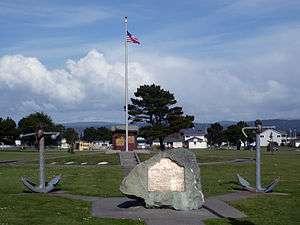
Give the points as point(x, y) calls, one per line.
point(217, 135)
point(10, 130)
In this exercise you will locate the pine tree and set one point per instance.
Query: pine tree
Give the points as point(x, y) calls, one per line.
point(156, 109)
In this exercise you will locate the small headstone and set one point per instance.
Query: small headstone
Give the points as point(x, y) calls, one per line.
point(84, 163)
point(102, 163)
point(168, 179)
point(69, 163)
point(53, 163)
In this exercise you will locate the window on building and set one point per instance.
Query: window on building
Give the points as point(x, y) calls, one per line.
point(278, 135)
point(262, 136)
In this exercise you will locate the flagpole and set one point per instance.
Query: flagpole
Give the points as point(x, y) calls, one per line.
point(126, 86)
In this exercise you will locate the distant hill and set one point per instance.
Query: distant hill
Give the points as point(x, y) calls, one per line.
point(80, 126)
point(280, 124)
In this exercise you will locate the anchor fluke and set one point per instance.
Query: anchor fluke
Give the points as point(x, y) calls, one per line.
point(48, 187)
point(244, 183)
point(272, 185)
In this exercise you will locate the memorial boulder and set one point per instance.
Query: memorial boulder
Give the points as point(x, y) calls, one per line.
point(169, 179)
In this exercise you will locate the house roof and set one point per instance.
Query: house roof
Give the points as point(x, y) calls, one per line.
point(275, 130)
point(176, 137)
point(192, 132)
point(192, 139)
point(173, 139)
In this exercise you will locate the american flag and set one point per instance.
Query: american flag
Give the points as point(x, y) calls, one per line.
point(133, 39)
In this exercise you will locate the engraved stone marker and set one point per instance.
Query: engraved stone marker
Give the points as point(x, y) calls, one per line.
point(169, 179)
point(166, 175)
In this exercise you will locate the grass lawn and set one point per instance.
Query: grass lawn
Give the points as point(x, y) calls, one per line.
point(29, 155)
point(263, 210)
point(205, 155)
point(61, 157)
point(17, 207)
point(102, 182)
point(91, 158)
point(37, 209)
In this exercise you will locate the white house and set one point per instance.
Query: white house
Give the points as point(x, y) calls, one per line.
point(272, 135)
point(142, 144)
point(189, 138)
point(155, 142)
point(297, 143)
point(194, 139)
point(172, 141)
point(18, 142)
point(97, 145)
point(64, 144)
point(195, 143)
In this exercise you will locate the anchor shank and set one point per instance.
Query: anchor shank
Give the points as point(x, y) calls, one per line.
point(258, 163)
point(42, 162)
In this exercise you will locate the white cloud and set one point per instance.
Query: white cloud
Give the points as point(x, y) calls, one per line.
point(92, 88)
point(30, 75)
point(254, 76)
point(91, 84)
point(259, 79)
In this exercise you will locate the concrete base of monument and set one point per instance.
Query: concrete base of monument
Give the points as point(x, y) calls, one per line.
point(122, 207)
point(131, 209)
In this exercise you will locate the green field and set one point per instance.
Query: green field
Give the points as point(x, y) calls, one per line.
point(61, 157)
point(19, 207)
point(29, 155)
point(268, 209)
point(205, 155)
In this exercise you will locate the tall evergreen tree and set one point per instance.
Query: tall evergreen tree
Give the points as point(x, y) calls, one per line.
point(97, 134)
point(234, 135)
point(156, 109)
point(30, 123)
point(8, 130)
point(71, 137)
point(215, 134)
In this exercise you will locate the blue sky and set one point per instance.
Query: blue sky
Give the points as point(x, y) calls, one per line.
point(224, 60)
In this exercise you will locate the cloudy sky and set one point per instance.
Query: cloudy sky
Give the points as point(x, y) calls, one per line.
point(223, 59)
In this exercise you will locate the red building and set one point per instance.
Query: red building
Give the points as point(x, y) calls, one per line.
point(118, 137)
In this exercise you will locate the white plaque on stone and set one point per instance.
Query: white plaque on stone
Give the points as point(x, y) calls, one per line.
point(165, 176)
